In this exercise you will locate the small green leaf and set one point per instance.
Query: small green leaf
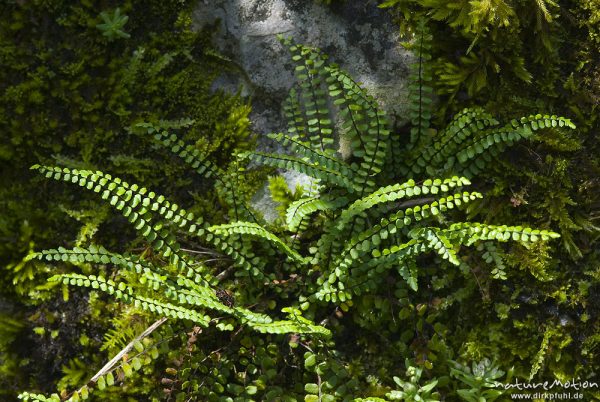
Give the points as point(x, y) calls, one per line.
point(310, 360)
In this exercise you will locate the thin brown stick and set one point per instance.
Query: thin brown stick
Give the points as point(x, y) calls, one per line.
point(109, 366)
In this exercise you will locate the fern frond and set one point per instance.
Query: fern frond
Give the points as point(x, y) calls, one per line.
point(444, 146)
point(470, 232)
point(28, 396)
point(185, 292)
point(367, 244)
point(175, 124)
point(242, 256)
point(496, 139)
point(295, 117)
point(438, 242)
point(255, 230)
point(365, 277)
point(493, 255)
point(198, 161)
point(353, 218)
point(300, 165)
point(396, 192)
point(138, 206)
point(303, 208)
point(149, 274)
point(420, 95)
point(294, 324)
point(366, 126)
point(195, 158)
point(314, 155)
point(311, 77)
point(307, 110)
point(125, 293)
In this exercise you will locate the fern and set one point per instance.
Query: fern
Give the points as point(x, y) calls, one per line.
point(300, 210)
point(359, 226)
point(252, 229)
point(352, 253)
point(420, 90)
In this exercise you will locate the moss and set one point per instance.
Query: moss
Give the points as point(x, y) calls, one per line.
point(67, 95)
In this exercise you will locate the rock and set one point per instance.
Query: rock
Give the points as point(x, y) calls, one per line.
point(361, 38)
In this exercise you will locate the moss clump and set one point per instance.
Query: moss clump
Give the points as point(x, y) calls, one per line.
point(67, 94)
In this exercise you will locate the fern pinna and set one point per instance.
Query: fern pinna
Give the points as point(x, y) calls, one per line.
point(377, 203)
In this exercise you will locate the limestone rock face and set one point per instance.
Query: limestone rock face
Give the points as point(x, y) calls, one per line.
point(357, 35)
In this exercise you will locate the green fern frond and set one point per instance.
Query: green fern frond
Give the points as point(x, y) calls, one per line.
point(367, 244)
point(175, 124)
point(198, 161)
point(492, 141)
point(365, 125)
point(492, 255)
point(99, 255)
point(438, 242)
point(294, 115)
point(28, 396)
point(470, 232)
point(242, 256)
point(420, 95)
point(139, 207)
point(125, 293)
point(316, 156)
point(255, 230)
point(399, 191)
point(303, 208)
point(294, 323)
point(444, 146)
point(389, 194)
point(366, 276)
point(195, 158)
point(300, 165)
point(311, 78)
point(190, 296)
